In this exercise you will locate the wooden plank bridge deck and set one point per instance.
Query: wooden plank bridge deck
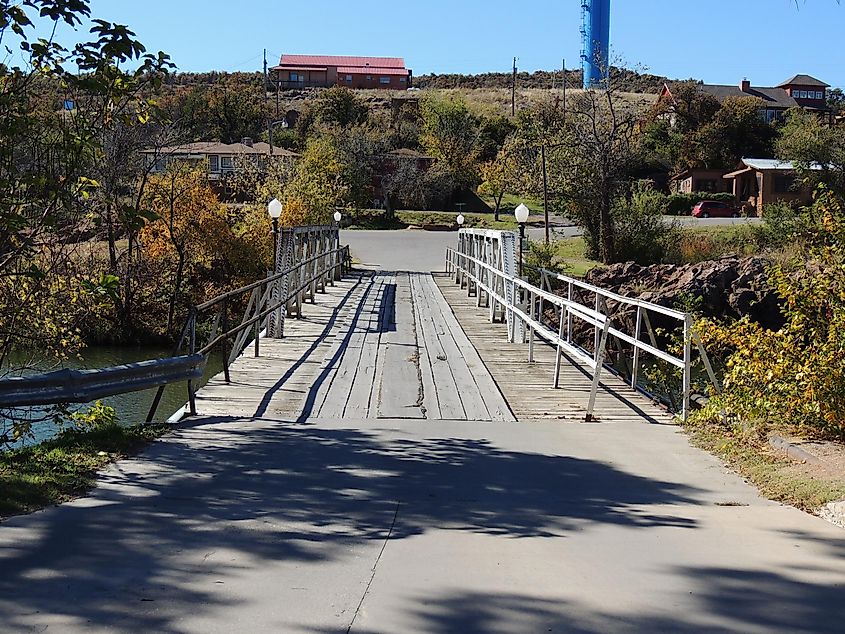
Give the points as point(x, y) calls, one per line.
point(378, 345)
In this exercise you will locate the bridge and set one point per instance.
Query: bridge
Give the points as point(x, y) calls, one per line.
point(409, 446)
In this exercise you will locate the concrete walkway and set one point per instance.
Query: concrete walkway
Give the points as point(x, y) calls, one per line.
point(259, 525)
point(302, 502)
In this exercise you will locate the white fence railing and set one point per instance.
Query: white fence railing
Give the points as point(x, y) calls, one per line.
point(525, 305)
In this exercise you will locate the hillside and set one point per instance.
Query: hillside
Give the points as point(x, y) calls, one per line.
point(625, 80)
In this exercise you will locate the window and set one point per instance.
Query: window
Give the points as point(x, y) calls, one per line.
point(226, 163)
point(349, 78)
point(784, 184)
point(369, 77)
point(214, 163)
point(294, 77)
point(706, 185)
point(819, 94)
point(803, 94)
point(403, 79)
point(384, 80)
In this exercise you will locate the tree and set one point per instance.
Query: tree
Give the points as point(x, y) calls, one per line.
point(502, 175)
point(737, 130)
point(816, 149)
point(191, 228)
point(593, 162)
point(450, 133)
point(836, 100)
point(55, 113)
point(227, 110)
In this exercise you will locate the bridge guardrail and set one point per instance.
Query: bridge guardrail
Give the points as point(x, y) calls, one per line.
point(483, 279)
point(83, 386)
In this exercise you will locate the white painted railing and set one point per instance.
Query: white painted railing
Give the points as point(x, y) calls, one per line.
point(523, 304)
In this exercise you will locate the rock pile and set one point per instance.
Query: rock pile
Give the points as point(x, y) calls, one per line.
point(731, 287)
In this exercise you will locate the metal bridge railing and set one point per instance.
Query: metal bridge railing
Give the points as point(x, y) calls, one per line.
point(531, 304)
point(314, 260)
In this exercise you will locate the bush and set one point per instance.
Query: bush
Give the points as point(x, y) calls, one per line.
point(642, 235)
point(785, 223)
point(794, 377)
point(681, 204)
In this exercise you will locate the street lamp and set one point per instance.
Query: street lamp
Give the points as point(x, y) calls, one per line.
point(521, 214)
point(337, 217)
point(274, 208)
point(460, 220)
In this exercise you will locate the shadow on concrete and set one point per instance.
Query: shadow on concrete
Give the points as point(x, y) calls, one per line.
point(138, 553)
point(729, 600)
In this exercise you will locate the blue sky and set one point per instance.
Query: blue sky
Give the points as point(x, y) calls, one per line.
point(719, 41)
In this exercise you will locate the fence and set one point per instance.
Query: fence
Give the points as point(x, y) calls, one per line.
point(312, 259)
point(520, 301)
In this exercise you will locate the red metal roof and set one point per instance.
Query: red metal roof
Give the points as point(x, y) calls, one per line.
point(317, 68)
point(341, 60)
point(371, 70)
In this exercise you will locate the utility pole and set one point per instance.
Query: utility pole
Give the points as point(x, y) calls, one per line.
point(513, 89)
point(266, 109)
point(545, 190)
point(563, 67)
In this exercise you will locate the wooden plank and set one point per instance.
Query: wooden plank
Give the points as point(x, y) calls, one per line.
point(352, 346)
point(495, 403)
point(474, 401)
point(400, 389)
point(446, 388)
point(430, 402)
point(358, 403)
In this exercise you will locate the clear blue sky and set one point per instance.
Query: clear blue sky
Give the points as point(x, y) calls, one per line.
point(719, 41)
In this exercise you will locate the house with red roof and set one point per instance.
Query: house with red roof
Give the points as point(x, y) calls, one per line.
point(322, 71)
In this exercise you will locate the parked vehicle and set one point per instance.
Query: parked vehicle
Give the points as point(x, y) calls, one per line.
point(714, 209)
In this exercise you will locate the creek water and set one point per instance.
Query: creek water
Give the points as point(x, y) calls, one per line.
point(132, 407)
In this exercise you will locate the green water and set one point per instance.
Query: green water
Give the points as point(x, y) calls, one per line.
point(132, 407)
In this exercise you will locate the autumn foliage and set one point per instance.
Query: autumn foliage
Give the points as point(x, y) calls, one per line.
point(795, 376)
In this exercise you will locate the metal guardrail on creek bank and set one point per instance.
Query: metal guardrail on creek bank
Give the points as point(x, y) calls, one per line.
point(311, 258)
point(521, 303)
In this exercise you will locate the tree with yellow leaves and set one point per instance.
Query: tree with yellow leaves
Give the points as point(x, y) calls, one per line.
point(191, 227)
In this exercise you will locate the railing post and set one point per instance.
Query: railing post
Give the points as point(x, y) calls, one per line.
point(596, 331)
point(192, 348)
point(637, 333)
point(687, 380)
point(224, 321)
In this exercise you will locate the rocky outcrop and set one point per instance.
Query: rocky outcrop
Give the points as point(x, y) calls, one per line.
point(731, 287)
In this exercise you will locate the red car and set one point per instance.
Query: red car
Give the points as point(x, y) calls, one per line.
point(713, 209)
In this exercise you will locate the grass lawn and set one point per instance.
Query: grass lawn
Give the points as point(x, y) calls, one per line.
point(569, 255)
point(65, 467)
point(511, 202)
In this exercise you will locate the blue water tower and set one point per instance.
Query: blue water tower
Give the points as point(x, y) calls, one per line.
point(595, 31)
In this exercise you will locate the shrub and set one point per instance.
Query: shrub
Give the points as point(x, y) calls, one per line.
point(794, 377)
point(642, 234)
point(681, 204)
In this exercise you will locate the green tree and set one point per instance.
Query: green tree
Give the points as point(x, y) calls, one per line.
point(816, 149)
point(55, 113)
point(593, 163)
point(502, 175)
point(737, 130)
point(450, 133)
